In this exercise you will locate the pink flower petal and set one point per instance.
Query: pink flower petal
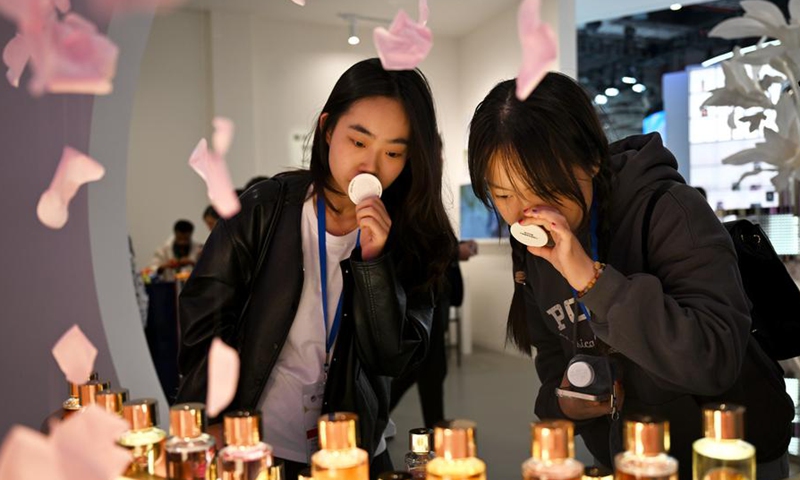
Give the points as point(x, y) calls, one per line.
point(71, 56)
point(539, 47)
point(223, 376)
point(73, 170)
point(27, 455)
point(75, 355)
point(404, 45)
point(87, 445)
point(16, 56)
point(63, 6)
point(27, 14)
point(213, 169)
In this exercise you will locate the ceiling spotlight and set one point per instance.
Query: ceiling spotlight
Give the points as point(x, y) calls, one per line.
point(675, 7)
point(353, 38)
point(639, 88)
point(629, 80)
point(612, 92)
point(601, 99)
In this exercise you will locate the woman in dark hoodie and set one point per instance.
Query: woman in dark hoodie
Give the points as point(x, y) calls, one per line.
point(677, 331)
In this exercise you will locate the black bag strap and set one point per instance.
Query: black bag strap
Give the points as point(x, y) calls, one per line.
point(648, 214)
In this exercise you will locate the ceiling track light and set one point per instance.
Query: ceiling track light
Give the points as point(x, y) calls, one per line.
point(353, 38)
point(352, 18)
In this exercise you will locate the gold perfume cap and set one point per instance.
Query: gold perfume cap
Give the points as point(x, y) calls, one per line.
point(723, 421)
point(552, 440)
point(337, 431)
point(597, 473)
point(112, 400)
point(304, 474)
point(419, 440)
point(87, 393)
point(646, 435)
point(454, 439)
point(242, 428)
point(140, 414)
point(73, 387)
point(395, 476)
point(187, 420)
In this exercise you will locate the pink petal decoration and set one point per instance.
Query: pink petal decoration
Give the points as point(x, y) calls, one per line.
point(63, 6)
point(212, 168)
point(71, 56)
point(27, 455)
point(539, 47)
point(73, 170)
point(406, 44)
point(86, 445)
point(223, 376)
point(75, 355)
point(16, 56)
point(302, 3)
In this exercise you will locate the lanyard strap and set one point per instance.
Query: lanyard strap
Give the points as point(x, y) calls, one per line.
point(593, 247)
point(323, 273)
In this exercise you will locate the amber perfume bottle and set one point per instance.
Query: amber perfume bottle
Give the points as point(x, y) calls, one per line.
point(552, 452)
point(144, 439)
point(245, 456)
point(339, 458)
point(112, 400)
point(723, 454)
point(87, 393)
point(646, 441)
point(420, 452)
point(454, 445)
point(190, 450)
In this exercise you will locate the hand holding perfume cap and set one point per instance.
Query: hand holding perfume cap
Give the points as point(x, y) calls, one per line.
point(531, 235)
point(364, 186)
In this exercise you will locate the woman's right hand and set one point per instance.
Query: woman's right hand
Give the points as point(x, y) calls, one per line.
point(577, 409)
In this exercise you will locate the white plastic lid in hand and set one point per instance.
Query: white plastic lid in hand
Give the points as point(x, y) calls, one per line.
point(364, 186)
point(530, 235)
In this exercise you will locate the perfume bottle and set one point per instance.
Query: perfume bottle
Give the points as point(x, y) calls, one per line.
point(144, 439)
point(722, 453)
point(552, 452)
point(112, 400)
point(597, 472)
point(339, 458)
point(245, 456)
point(417, 459)
point(72, 404)
point(646, 441)
point(87, 393)
point(396, 475)
point(454, 445)
point(277, 471)
point(190, 451)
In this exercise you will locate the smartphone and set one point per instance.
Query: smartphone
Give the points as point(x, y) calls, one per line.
point(560, 392)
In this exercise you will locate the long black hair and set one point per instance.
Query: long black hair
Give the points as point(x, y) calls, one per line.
point(421, 238)
point(541, 139)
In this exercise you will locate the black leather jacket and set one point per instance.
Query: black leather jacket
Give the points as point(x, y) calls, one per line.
point(246, 289)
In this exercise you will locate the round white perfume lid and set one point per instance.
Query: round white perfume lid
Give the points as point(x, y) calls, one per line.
point(580, 374)
point(530, 235)
point(364, 186)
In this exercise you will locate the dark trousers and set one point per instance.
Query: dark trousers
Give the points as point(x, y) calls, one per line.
point(431, 372)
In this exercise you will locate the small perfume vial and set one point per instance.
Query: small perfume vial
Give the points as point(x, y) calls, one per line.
point(87, 393)
point(245, 456)
point(646, 440)
point(339, 457)
point(552, 452)
point(144, 439)
point(112, 400)
point(420, 453)
point(454, 445)
point(722, 453)
point(190, 451)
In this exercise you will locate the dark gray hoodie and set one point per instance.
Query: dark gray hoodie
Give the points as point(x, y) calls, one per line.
point(680, 333)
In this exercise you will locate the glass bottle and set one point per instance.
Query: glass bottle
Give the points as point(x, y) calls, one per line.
point(87, 393)
point(646, 441)
point(112, 400)
point(72, 404)
point(454, 445)
point(723, 454)
point(419, 440)
point(339, 458)
point(245, 456)
point(190, 451)
point(144, 439)
point(552, 452)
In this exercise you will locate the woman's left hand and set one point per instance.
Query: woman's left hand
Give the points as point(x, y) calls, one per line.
point(375, 223)
point(567, 255)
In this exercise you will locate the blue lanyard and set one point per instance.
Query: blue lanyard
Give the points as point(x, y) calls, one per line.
point(593, 246)
point(323, 274)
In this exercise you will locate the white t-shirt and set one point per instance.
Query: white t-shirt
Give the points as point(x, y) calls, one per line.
point(301, 360)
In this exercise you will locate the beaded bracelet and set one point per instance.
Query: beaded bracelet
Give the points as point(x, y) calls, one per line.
point(598, 270)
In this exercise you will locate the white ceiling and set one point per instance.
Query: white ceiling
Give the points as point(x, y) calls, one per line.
point(447, 17)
